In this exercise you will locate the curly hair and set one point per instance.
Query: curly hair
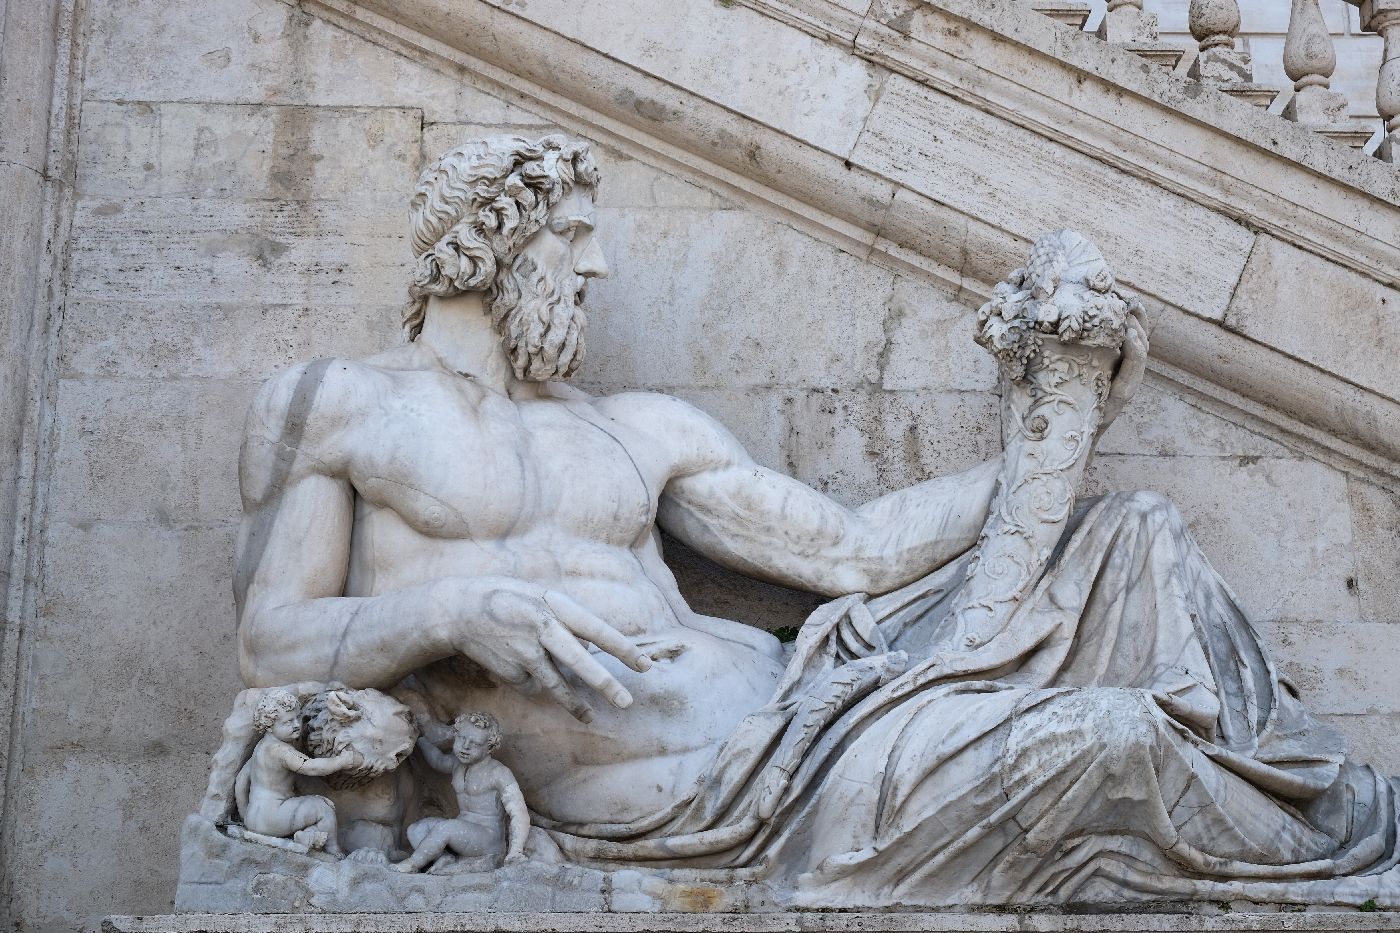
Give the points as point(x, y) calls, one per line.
point(483, 721)
point(477, 205)
point(273, 705)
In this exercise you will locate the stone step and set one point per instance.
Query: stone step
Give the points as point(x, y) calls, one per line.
point(815, 922)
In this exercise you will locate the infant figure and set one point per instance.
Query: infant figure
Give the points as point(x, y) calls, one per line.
point(265, 789)
point(484, 788)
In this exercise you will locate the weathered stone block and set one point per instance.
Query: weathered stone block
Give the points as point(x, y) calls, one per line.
point(782, 316)
point(1240, 509)
point(245, 151)
point(77, 815)
point(826, 111)
point(152, 651)
point(241, 341)
point(856, 445)
point(928, 343)
point(1375, 516)
point(262, 51)
point(213, 250)
point(1160, 423)
point(955, 153)
point(137, 450)
point(1290, 299)
point(1338, 666)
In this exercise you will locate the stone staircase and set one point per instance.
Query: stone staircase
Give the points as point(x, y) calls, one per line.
point(1309, 60)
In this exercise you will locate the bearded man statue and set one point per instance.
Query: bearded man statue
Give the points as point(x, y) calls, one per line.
point(473, 210)
point(1013, 697)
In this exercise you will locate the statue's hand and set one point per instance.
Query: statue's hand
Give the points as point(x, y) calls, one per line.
point(1131, 368)
point(527, 637)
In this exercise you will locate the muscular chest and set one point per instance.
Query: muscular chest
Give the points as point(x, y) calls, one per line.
point(462, 462)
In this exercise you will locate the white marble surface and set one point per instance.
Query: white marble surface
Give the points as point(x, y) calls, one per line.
point(1012, 698)
point(1223, 919)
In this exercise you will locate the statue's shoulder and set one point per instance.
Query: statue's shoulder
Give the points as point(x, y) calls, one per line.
point(311, 407)
point(316, 392)
point(655, 413)
point(695, 438)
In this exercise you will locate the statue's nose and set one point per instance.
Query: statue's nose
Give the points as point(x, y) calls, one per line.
point(591, 263)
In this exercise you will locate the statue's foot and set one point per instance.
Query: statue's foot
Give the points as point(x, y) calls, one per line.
point(446, 865)
point(368, 856)
point(406, 866)
point(311, 838)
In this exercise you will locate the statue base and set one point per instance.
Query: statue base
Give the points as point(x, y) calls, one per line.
point(815, 922)
point(230, 885)
point(224, 875)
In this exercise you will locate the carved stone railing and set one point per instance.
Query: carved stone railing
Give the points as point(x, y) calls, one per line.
point(1309, 60)
point(1383, 17)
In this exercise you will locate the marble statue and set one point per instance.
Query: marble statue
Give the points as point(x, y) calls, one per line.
point(485, 790)
point(1012, 697)
point(267, 799)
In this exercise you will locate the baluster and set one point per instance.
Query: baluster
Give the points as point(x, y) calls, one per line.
point(1383, 17)
point(1215, 24)
point(1309, 60)
point(1073, 13)
point(1125, 23)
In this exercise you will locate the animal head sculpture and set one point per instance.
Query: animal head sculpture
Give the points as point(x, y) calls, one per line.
point(378, 727)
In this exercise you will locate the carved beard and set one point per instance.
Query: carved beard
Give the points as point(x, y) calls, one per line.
point(539, 320)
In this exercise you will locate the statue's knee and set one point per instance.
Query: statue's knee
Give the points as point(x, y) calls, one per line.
point(1121, 723)
point(322, 807)
point(1104, 725)
point(1147, 505)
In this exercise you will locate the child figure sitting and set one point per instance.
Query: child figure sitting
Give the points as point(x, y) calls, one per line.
point(264, 789)
point(484, 789)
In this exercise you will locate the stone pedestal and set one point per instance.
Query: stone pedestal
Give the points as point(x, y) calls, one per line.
point(757, 923)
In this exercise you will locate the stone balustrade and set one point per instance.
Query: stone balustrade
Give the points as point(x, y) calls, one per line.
point(1309, 60)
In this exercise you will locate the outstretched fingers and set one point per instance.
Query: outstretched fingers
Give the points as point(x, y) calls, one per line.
point(569, 653)
point(590, 628)
point(545, 678)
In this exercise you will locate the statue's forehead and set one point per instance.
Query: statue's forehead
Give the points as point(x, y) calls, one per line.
point(577, 203)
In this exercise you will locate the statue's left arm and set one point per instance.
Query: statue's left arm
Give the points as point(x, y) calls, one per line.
point(772, 527)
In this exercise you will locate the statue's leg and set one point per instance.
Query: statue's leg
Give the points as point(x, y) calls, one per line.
point(979, 795)
point(1150, 612)
point(420, 829)
point(317, 814)
point(433, 843)
point(1104, 778)
point(468, 840)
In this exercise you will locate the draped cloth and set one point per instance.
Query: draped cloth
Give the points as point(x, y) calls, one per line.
point(1127, 737)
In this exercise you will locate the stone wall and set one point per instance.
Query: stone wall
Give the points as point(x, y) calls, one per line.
point(242, 175)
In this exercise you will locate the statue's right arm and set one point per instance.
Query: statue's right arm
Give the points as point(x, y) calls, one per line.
point(320, 767)
point(293, 557)
point(436, 758)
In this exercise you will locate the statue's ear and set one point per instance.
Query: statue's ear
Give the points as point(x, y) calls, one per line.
point(341, 706)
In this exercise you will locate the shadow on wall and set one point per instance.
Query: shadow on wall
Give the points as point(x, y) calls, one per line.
point(716, 591)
